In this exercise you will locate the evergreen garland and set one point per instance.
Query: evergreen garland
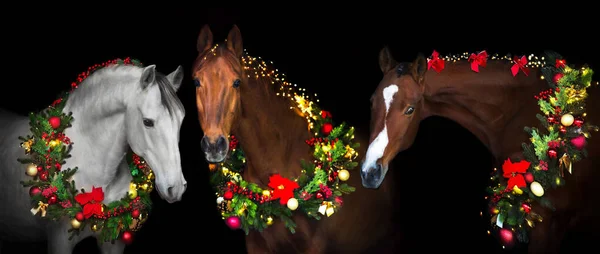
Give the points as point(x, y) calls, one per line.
point(549, 155)
point(54, 194)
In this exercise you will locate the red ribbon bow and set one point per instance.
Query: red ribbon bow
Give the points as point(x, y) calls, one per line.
point(91, 202)
point(519, 65)
point(514, 172)
point(435, 62)
point(477, 60)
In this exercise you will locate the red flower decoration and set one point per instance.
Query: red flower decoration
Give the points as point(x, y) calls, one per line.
point(435, 62)
point(519, 65)
point(91, 202)
point(560, 63)
point(477, 60)
point(514, 172)
point(283, 188)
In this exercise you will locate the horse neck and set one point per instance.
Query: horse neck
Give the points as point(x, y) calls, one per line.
point(98, 131)
point(272, 136)
point(484, 103)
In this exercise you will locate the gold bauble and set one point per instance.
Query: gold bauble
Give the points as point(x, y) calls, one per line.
point(269, 220)
point(150, 176)
point(94, 227)
point(144, 186)
point(31, 169)
point(75, 223)
point(266, 193)
point(343, 175)
point(567, 120)
point(132, 193)
point(53, 143)
point(292, 204)
point(133, 186)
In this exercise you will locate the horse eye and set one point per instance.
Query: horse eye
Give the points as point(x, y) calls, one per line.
point(409, 110)
point(197, 82)
point(236, 83)
point(148, 122)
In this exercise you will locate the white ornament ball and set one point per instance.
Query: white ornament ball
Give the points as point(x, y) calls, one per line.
point(567, 120)
point(292, 204)
point(220, 200)
point(536, 188)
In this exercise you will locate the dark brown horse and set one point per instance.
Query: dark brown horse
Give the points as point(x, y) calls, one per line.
point(234, 98)
point(495, 106)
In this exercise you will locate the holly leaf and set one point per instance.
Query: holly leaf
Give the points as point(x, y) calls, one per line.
point(135, 172)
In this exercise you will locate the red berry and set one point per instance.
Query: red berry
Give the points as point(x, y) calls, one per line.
point(54, 122)
point(228, 195)
point(135, 213)
point(52, 199)
point(79, 216)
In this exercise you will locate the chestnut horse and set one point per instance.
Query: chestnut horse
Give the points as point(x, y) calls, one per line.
point(495, 107)
point(233, 100)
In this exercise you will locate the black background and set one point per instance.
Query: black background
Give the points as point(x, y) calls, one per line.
point(330, 52)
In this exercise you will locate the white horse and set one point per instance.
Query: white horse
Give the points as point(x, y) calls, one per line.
point(116, 108)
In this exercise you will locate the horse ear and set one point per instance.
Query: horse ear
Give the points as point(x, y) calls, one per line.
point(176, 77)
point(234, 41)
point(205, 39)
point(386, 60)
point(148, 76)
point(418, 68)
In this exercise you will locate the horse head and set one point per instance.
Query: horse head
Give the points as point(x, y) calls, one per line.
point(153, 121)
point(396, 108)
point(217, 74)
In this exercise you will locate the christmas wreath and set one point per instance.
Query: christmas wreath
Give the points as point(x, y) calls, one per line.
point(53, 192)
point(553, 149)
point(316, 192)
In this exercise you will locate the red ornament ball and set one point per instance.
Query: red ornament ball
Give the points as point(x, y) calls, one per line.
point(506, 236)
point(578, 142)
point(552, 153)
point(127, 237)
point(44, 176)
point(228, 195)
point(319, 195)
point(135, 213)
point(557, 77)
point(33, 191)
point(79, 216)
point(529, 177)
point(54, 122)
point(233, 222)
point(52, 199)
point(327, 128)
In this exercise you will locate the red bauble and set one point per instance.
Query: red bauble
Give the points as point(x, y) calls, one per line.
point(44, 176)
point(327, 128)
point(578, 122)
point(319, 195)
point(233, 222)
point(578, 142)
point(52, 199)
point(529, 177)
point(79, 216)
point(551, 119)
point(34, 191)
point(557, 77)
point(552, 153)
point(562, 129)
point(506, 236)
point(40, 168)
point(526, 207)
point(228, 195)
point(135, 213)
point(127, 237)
point(54, 122)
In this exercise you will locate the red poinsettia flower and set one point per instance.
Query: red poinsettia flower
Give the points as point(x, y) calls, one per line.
point(91, 202)
point(514, 172)
point(283, 188)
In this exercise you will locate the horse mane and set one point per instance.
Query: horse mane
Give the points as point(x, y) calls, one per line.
point(120, 75)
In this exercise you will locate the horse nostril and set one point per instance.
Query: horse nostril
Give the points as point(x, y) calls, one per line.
point(205, 144)
point(221, 144)
point(377, 171)
point(364, 175)
point(170, 191)
point(185, 185)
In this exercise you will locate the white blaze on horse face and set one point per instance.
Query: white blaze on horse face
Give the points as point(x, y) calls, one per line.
point(377, 147)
